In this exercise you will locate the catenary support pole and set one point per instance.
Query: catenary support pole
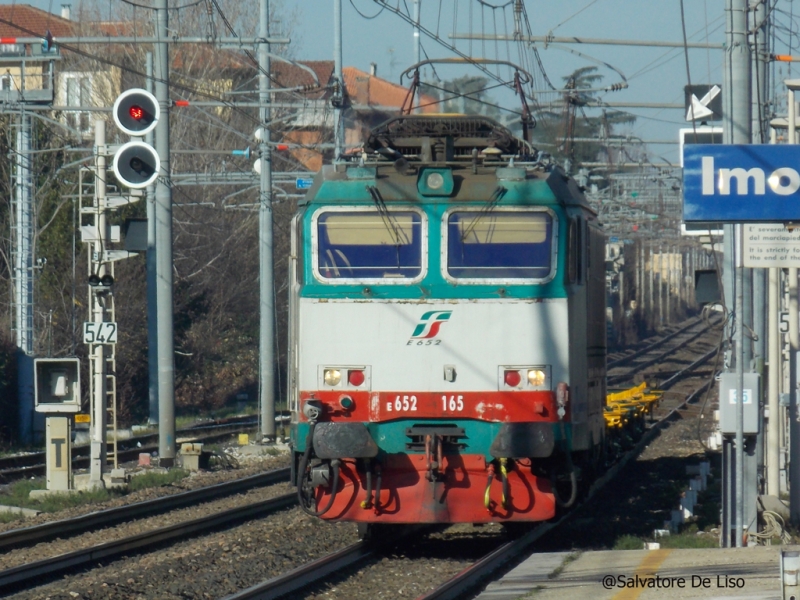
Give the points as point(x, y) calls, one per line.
point(738, 117)
point(152, 281)
point(417, 40)
point(650, 310)
point(338, 125)
point(266, 288)
point(773, 424)
point(166, 342)
point(794, 411)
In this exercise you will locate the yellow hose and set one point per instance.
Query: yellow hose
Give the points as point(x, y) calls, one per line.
point(503, 475)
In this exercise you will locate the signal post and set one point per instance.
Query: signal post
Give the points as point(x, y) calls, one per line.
point(135, 165)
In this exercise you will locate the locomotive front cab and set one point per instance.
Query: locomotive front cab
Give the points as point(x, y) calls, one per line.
point(433, 356)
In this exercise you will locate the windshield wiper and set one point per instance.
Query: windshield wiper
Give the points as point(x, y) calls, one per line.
point(498, 193)
point(400, 236)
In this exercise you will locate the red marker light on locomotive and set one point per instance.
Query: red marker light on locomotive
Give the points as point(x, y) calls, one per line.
point(512, 378)
point(136, 112)
point(355, 378)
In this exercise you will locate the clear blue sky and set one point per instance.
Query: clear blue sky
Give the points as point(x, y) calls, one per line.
point(653, 74)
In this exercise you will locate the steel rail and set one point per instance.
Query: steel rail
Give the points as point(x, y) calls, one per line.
point(653, 346)
point(28, 536)
point(467, 581)
point(33, 464)
point(668, 382)
point(623, 377)
point(35, 573)
point(306, 575)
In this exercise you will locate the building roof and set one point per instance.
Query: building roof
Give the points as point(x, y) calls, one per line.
point(22, 20)
point(370, 90)
point(363, 89)
point(288, 76)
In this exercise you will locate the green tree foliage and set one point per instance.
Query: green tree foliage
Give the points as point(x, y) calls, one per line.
point(465, 95)
point(557, 130)
point(215, 228)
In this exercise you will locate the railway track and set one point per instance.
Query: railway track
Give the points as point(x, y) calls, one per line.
point(19, 466)
point(313, 580)
point(679, 347)
point(620, 357)
point(32, 573)
point(315, 577)
point(28, 536)
point(469, 581)
point(277, 559)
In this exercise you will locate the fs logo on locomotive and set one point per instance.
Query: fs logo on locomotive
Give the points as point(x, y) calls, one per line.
point(428, 328)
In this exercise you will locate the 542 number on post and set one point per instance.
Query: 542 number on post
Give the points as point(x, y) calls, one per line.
point(99, 333)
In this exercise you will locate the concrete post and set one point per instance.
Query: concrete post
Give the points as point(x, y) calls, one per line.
point(166, 343)
point(266, 366)
point(773, 424)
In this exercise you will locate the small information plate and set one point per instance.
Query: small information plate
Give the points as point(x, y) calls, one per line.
point(100, 333)
point(771, 245)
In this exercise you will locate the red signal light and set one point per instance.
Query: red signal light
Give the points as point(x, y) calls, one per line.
point(512, 378)
point(136, 112)
point(355, 378)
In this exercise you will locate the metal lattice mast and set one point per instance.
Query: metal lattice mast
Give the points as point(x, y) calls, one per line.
point(22, 233)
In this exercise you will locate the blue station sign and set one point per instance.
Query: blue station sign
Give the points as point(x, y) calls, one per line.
point(303, 183)
point(741, 183)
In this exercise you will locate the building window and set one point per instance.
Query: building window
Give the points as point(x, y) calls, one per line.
point(12, 49)
point(6, 83)
point(78, 93)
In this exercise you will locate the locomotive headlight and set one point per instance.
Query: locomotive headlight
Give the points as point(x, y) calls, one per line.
point(332, 376)
point(435, 180)
point(537, 377)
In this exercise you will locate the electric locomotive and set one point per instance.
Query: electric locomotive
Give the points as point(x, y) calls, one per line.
point(447, 330)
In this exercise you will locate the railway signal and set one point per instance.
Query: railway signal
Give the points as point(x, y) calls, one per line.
point(136, 112)
point(136, 164)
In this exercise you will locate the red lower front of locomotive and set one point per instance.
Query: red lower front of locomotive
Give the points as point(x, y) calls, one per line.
point(462, 489)
point(444, 477)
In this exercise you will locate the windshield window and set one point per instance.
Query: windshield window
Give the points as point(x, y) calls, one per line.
point(369, 245)
point(499, 245)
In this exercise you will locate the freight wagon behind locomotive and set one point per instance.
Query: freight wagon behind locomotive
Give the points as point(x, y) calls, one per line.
point(447, 330)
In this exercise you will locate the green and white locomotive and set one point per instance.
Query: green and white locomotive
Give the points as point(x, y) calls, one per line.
point(447, 330)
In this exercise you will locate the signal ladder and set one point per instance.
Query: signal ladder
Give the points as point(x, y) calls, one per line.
point(105, 352)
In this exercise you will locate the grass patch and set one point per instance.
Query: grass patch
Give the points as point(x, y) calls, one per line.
point(571, 557)
point(10, 517)
point(691, 538)
point(188, 419)
point(533, 592)
point(154, 479)
point(628, 542)
point(18, 493)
